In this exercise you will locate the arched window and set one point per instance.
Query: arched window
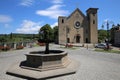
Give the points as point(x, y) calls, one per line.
point(93, 14)
point(93, 21)
point(62, 20)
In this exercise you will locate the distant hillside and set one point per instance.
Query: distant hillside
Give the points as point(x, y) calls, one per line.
point(16, 37)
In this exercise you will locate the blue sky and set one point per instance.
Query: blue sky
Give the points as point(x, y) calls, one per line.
point(27, 16)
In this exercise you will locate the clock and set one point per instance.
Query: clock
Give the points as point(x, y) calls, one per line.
point(77, 24)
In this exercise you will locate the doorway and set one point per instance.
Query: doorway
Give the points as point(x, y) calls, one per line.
point(68, 40)
point(86, 40)
point(78, 39)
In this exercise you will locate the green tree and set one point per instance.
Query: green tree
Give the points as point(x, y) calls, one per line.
point(55, 30)
point(48, 29)
point(46, 33)
point(3, 39)
point(11, 35)
point(102, 35)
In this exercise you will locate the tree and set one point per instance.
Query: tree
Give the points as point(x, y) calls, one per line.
point(3, 39)
point(55, 30)
point(46, 33)
point(102, 35)
point(11, 35)
point(46, 28)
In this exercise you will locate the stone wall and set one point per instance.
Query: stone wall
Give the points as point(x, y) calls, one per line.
point(117, 38)
point(17, 45)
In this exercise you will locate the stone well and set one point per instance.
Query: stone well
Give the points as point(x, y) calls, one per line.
point(39, 65)
point(40, 61)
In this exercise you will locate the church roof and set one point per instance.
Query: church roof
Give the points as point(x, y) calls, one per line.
point(77, 9)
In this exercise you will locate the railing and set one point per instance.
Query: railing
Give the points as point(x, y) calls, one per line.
point(17, 45)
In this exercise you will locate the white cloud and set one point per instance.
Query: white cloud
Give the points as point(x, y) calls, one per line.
point(5, 19)
point(27, 2)
point(6, 25)
point(29, 27)
point(108, 21)
point(52, 12)
point(57, 1)
point(55, 24)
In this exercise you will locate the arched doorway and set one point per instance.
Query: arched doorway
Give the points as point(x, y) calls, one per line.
point(78, 38)
point(68, 40)
point(86, 40)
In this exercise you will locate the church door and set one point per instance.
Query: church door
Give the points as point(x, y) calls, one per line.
point(78, 39)
point(68, 40)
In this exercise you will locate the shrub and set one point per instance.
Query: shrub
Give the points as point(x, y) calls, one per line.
point(41, 44)
point(20, 47)
point(1, 47)
point(4, 48)
point(69, 45)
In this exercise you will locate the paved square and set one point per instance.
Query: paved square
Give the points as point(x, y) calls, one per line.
point(93, 65)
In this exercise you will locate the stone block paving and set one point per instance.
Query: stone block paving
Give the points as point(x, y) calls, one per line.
point(93, 65)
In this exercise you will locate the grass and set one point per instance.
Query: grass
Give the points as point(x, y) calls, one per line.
point(108, 51)
point(35, 45)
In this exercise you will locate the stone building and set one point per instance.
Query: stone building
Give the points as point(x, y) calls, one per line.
point(115, 35)
point(78, 28)
point(117, 38)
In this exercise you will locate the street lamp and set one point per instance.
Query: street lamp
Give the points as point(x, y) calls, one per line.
point(107, 24)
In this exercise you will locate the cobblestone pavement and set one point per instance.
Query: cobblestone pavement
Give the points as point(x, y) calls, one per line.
point(93, 65)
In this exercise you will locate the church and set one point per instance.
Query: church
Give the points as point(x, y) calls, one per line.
point(78, 28)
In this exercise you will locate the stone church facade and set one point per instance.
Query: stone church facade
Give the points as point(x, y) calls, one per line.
point(78, 28)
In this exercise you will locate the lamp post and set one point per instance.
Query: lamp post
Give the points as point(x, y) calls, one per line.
point(107, 24)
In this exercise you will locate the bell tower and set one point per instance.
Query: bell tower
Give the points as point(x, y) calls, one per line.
point(62, 29)
point(92, 24)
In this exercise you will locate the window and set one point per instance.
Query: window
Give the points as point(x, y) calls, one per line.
point(68, 30)
point(93, 21)
point(62, 20)
point(93, 14)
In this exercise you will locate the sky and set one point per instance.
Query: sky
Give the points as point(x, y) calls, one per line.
point(28, 16)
